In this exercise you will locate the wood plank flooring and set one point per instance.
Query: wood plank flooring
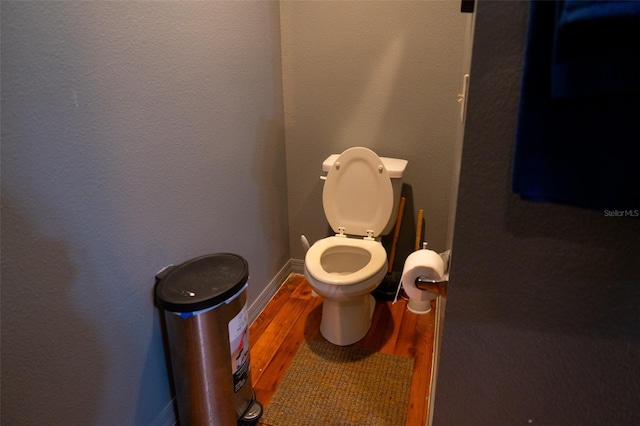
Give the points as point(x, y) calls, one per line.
point(293, 316)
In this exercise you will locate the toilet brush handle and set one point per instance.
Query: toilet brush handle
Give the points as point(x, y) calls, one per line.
point(396, 233)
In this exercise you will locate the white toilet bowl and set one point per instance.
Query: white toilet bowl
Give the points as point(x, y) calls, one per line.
point(358, 199)
point(344, 271)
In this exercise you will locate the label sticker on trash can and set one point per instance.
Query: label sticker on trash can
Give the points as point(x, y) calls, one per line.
point(239, 340)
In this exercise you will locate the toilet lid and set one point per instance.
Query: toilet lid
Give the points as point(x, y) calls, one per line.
point(357, 193)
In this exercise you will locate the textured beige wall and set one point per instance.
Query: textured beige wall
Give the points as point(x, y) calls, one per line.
point(384, 75)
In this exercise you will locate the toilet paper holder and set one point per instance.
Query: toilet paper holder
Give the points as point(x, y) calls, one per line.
point(438, 287)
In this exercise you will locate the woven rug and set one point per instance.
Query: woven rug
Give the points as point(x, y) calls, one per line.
point(329, 385)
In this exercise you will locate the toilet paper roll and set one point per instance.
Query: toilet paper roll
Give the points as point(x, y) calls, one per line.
point(421, 263)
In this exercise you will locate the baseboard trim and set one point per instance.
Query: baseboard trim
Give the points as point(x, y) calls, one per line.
point(168, 416)
point(270, 290)
point(297, 266)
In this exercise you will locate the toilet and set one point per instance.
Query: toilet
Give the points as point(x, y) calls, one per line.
point(360, 200)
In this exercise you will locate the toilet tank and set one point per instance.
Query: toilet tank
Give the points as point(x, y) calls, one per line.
point(395, 168)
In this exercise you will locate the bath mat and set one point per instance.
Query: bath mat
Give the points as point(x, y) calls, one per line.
point(329, 385)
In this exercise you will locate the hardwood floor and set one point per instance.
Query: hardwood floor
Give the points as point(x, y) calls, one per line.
point(293, 315)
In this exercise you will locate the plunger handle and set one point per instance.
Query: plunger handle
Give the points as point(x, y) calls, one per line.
point(396, 233)
point(419, 228)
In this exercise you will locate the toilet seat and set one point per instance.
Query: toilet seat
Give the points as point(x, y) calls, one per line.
point(358, 194)
point(341, 245)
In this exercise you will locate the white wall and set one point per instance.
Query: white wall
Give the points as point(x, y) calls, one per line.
point(384, 75)
point(134, 135)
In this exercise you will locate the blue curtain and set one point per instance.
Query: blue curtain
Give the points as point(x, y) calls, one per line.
point(578, 134)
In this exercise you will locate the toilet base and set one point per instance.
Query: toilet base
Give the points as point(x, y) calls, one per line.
point(345, 322)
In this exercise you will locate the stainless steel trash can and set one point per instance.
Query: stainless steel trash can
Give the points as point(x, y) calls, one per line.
point(204, 304)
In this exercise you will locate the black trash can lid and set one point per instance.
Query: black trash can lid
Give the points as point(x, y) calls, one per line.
point(201, 283)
